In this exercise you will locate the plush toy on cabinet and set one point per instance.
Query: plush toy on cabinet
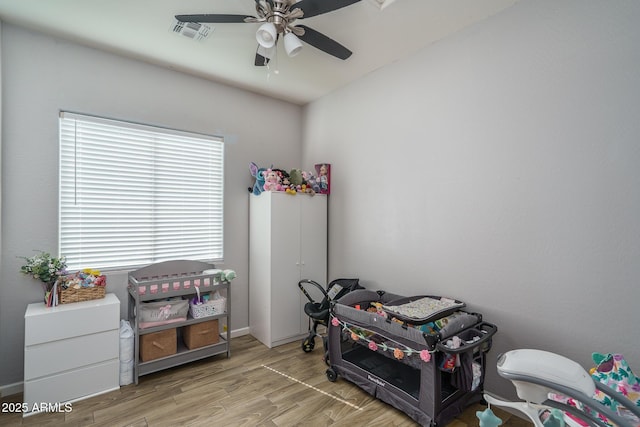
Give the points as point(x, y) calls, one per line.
point(257, 173)
point(281, 173)
point(295, 181)
point(272, 181)
point(295, 176)
point(311, 182)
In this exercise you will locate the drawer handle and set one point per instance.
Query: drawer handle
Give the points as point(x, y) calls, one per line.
point(206, 331)
point(157, 344)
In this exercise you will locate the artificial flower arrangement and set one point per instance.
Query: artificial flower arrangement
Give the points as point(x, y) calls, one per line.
point(45, 268)
point(52, 272)
point(48, 270)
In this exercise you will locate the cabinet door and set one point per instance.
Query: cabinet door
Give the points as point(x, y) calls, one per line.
point(285, 266)
point(313, 245)
point(313, 238)
point(260, 268)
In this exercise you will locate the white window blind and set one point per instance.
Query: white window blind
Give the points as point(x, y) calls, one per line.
point(131, 194)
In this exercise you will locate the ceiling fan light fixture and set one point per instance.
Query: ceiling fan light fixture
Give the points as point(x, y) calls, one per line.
point(292, 44)
point(277, 18)
point(266, 35)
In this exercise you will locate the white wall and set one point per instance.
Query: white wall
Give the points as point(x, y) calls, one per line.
point(42, 75)
point(500, 167)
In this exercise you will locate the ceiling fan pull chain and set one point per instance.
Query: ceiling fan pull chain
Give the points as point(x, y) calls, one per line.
point(272, 61)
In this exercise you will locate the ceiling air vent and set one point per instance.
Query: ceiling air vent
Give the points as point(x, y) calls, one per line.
point(192, 30)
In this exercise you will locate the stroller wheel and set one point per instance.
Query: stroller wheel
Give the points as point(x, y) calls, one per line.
point(332, 375)
point(308, 345)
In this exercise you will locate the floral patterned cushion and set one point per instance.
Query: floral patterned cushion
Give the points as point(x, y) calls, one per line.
point(614, 371)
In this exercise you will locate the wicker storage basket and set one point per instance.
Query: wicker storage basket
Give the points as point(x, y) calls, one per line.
point(69, 295)
point(201, 334)
point(158, 344)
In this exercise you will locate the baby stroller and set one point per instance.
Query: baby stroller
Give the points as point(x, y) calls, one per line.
point(318, 312)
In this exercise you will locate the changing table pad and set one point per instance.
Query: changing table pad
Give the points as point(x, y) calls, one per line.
point(422, 309)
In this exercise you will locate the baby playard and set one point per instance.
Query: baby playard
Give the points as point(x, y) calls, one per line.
point(424, 355)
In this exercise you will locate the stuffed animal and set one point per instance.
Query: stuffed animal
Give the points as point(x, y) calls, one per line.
point(312, 182)
point(488, 418)
point(272, 181)
point(379, 310)
point(555, 418)
point(281, 173)
point(295, 177)
point(257, 173)
point(227, 275)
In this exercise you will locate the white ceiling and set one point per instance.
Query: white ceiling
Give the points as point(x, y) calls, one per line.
point(142, 29)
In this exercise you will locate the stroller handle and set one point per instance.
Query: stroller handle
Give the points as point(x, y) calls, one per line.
point(311, 282)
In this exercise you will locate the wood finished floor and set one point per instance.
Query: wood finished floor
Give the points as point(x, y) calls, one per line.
point(240, 391)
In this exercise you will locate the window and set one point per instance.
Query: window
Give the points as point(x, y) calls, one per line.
point(132, 195)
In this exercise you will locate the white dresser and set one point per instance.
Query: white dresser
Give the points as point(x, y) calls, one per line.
point(71, 351)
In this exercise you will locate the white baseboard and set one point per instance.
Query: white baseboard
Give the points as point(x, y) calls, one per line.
point(239, 332)
point(9, 389)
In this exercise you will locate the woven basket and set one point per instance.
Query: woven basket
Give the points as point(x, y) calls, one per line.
point(69, 295)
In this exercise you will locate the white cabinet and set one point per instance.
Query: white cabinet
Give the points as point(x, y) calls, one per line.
point(71, 351)
point(287, 243)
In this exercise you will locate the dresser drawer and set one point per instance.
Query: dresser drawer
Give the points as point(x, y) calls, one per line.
point(73, 385)
point(45, 324)
point(58, 356)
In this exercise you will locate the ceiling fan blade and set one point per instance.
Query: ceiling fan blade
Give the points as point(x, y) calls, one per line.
point(213, 18)
point(264, 55)
point(324, 43)
point(261, 61)
point(318, 7)
point(264, 7)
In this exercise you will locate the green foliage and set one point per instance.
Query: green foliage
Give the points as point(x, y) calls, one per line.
point(44, 267)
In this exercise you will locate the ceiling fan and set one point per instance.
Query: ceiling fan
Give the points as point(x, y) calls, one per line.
point(277, 18)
